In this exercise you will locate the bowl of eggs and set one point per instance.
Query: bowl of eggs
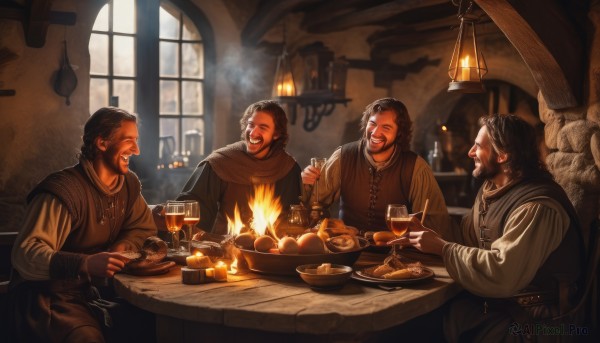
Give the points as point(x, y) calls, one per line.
point(324, 276)
point(266, 255)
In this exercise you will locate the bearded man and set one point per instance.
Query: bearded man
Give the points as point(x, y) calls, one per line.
point(77, 221)
point(377, 170)
point(520, 253)
point(227, 177)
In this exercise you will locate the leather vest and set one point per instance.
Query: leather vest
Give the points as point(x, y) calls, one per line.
point(366, 191)
point(565, 263)
point(96, 217)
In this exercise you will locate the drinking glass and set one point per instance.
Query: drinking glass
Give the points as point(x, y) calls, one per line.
point(397, 220)
point(190, 219)
point(174, 215)
point(317, 162)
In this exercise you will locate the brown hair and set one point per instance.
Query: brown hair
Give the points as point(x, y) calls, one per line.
point(515, 137)
point(279, 118)
point(404, 135)
point(103, 123)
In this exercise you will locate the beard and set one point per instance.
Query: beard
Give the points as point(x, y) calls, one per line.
point(488, 170)
point(386, 145)
point(263, 147)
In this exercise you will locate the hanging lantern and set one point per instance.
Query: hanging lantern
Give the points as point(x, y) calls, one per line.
point(467, 66)
point(284, 85)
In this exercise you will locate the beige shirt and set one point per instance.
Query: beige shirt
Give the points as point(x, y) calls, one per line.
point(532, 232)
point(423, 187)
point(46, 228)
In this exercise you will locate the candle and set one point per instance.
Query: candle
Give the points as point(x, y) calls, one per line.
point(220, 271)
point(465, 70)
point(191, 276)
point(198, 261)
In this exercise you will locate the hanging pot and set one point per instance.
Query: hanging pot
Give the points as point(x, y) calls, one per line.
point(66, 80)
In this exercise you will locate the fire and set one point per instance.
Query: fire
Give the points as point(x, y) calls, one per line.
point(266, 208)
point(235, 225)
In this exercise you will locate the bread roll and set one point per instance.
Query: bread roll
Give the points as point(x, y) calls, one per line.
point(398, 274)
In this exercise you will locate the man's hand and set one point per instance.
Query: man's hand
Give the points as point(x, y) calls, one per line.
point(422, 238)
point(310, 175)
point(104, 264)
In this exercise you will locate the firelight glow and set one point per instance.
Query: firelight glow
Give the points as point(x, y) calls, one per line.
point(266, 208)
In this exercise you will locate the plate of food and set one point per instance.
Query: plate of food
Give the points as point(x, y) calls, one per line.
point(394, 272)
point(378, 241)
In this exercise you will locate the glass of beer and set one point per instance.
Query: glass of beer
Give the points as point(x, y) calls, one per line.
point(191, 218)
point(174, 215)
point(397, 220)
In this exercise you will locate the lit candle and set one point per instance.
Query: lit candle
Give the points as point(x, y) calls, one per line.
point(191, 276)
point(198, 261)
point(220, 271)
point(465, 70)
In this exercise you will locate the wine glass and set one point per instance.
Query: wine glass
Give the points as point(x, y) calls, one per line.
point(190, 219)
point(317, 162)
point(174, 214)
point(397, 220)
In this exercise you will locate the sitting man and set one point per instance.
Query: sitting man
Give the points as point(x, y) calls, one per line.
point(377, 170)
point(74, 216)
point(520, 252)
point(227, 177)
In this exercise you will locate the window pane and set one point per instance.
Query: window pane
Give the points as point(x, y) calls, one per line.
point(169, 59)
point(98, 47)
point(192, 97)
point(123, 56)
point(124, 16)
point(169, 95)
point(190, 32)
point(169, 24)
point(125, 90)
point(192, 60)
point(98, 94)
point(101, 23)
point(168, 128)
point(193, 136)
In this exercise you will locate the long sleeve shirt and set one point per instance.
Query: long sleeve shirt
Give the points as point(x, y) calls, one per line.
point(423, 187)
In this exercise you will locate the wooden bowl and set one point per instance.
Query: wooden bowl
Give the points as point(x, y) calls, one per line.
point(336, 279)
point(279, 264)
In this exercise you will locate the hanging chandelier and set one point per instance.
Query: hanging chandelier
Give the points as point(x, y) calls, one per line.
point(467, 66)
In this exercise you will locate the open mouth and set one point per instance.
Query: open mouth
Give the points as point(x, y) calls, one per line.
point(254, 141)
point(125, 158)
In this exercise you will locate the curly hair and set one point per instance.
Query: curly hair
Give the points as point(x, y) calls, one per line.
point(103, 123)
point(277, 113)
point(404, 135)
point(515, 137)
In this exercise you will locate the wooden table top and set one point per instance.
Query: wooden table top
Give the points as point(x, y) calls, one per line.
point(286, 304)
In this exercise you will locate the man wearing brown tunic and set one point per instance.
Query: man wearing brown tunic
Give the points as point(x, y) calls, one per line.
point(77, 221)
point(520, 252)
point(227, 177)
point(377, 170)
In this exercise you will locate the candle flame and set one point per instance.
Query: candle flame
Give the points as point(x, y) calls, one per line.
point(465, 62)
point(199, 253)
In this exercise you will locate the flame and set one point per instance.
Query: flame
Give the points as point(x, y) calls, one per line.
point(265, 210)
point(235, 225)
point(465, 62)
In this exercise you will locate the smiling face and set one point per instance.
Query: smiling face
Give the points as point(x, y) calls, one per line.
point(116, 151)
point(487, 164)
point(380, 135)
point(260, 134)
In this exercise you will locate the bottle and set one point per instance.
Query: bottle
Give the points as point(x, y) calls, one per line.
point(436, 158)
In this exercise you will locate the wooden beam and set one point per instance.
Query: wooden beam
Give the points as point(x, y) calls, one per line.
point(325, 11)
point(371, 16)
point(268, 13)
point(386, 72)
point(548, 43)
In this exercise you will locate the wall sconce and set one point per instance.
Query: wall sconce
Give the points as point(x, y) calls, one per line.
point(324, 85)
point(467, 66)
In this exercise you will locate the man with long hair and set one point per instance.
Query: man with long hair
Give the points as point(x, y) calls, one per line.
point(77, 222)
point(519, 255)
point(227, 177)
point(377, 170)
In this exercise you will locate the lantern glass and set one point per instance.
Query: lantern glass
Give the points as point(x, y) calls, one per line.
point(338, 70)
point(284, 85)
point(467, 66)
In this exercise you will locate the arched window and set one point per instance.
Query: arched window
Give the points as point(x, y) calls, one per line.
point(151, 57)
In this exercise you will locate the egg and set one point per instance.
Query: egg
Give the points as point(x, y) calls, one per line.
point(288, 246)
point(245, 241)
point(310, 243)
point(264, 243)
